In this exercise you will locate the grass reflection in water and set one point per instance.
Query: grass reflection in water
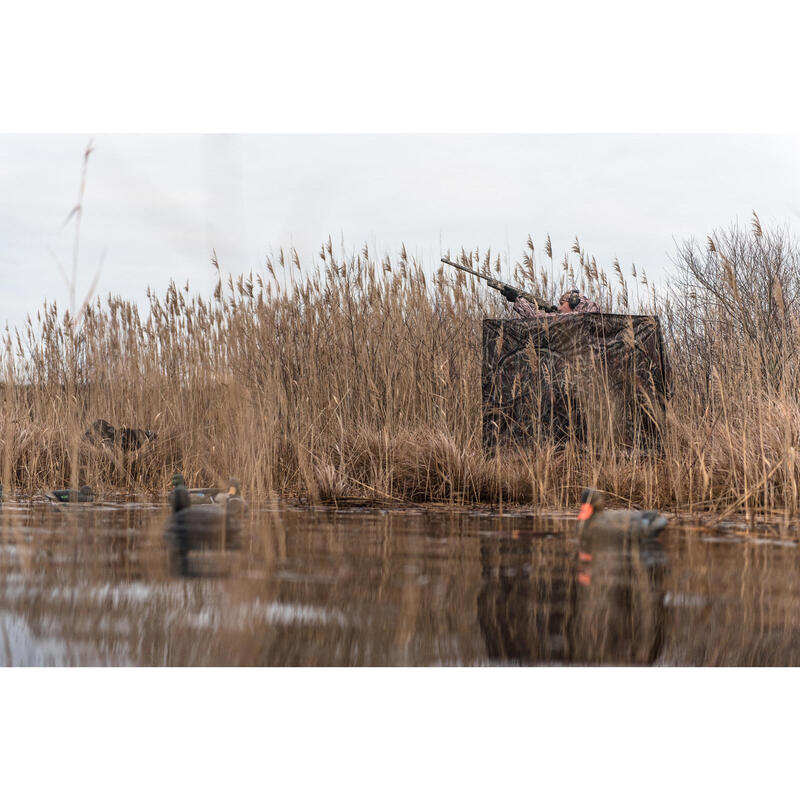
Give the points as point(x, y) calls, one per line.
point(95, 586)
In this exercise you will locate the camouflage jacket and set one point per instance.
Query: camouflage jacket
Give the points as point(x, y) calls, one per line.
point(528, 310)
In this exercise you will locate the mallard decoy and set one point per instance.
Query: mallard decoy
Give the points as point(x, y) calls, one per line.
point(594, 519)
point(196, 496)
point(232, 499)
point(177, 482)
point(210, 495)
point(82, 495)
point(194, 526)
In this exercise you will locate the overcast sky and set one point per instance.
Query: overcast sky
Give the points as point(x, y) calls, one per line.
point(158, 204)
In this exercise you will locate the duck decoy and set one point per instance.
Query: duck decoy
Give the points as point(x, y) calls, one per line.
point(193, 526)
point(82, 495)
point(207, 496)
point(177, 483)
point(232, 499)
point(198, 496)
point(594, 518)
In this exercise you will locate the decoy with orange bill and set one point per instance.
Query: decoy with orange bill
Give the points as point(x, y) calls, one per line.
point(594, 518)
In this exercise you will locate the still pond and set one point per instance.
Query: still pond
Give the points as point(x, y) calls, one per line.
point(94, 585)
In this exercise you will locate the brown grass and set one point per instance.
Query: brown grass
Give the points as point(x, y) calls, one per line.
point(361, 376)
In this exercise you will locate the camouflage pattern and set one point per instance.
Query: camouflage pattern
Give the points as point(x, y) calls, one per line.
point(580, 376)
point(528, 310)
point(585, 306)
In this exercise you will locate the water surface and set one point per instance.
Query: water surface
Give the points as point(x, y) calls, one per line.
point(94, 585)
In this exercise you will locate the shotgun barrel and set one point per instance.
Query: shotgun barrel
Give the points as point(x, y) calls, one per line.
point(500, 286)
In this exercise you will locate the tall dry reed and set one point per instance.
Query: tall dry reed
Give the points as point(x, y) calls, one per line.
point(360, 375)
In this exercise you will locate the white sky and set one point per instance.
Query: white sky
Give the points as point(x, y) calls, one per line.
point(158, 204)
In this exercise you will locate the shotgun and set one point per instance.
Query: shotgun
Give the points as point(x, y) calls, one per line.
point(509, 292)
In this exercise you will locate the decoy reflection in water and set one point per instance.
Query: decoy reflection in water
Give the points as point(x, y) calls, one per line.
point(213, 525)
point(595, 519)
point(82, 495)
point(619, 615)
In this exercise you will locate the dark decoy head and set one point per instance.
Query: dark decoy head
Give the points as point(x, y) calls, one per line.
point(234, 502)
point(591, 501)
point(177, 480)
point(180, 498)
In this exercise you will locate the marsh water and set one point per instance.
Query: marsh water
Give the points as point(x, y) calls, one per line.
point(95, 585)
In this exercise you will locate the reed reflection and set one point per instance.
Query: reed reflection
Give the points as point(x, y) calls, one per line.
point(526, 604)
point(93, 585)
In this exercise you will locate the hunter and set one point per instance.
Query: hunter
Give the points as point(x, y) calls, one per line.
point(571, 302)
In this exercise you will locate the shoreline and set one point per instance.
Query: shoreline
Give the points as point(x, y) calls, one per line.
point(763, 522)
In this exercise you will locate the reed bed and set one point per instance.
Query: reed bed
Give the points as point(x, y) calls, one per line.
point(359, 375)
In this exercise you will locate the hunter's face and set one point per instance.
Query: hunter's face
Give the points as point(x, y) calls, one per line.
point(574, 299)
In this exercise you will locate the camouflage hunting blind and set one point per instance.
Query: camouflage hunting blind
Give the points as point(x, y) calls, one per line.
point(581, 376)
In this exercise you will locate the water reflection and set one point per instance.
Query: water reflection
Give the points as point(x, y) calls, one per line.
point(527, 600)
point(93, 585)
point(620, 601)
